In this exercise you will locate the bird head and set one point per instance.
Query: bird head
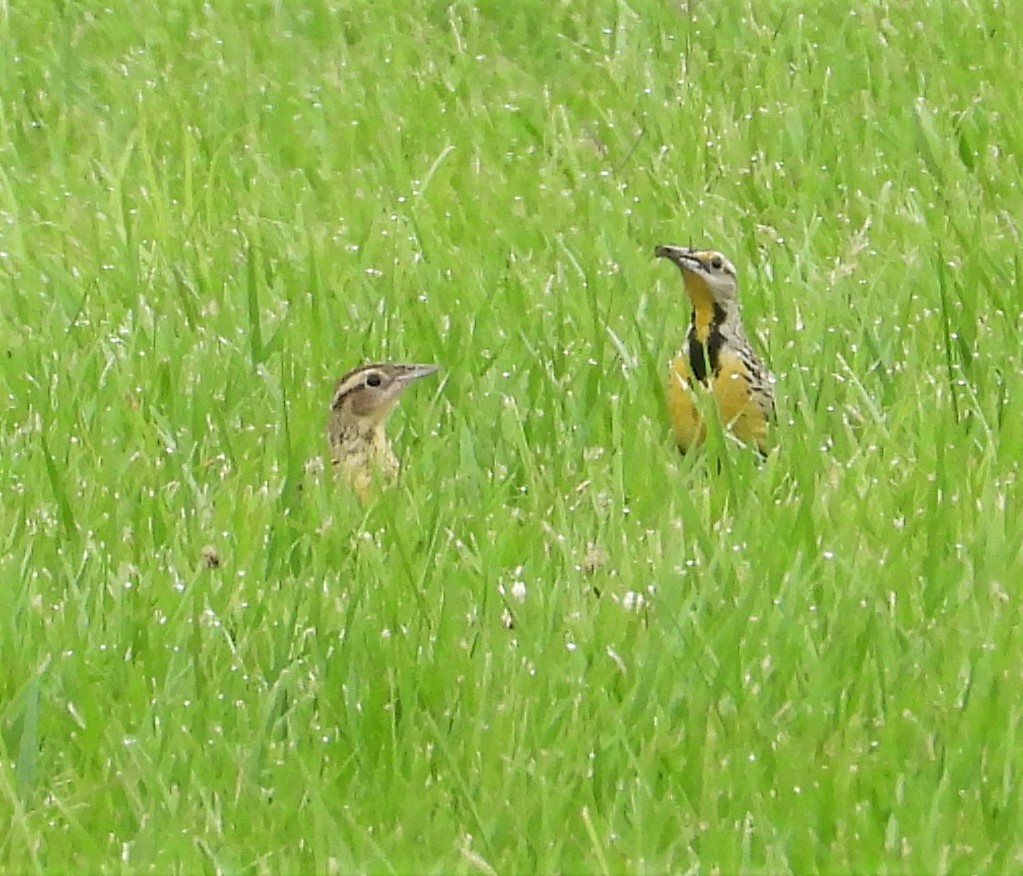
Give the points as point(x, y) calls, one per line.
point(367, 394)
point(708, 276)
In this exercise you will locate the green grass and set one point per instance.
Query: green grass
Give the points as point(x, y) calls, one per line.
point(209, 211)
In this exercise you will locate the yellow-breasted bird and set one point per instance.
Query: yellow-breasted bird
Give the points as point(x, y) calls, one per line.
point(716, 356)
point(362, 400)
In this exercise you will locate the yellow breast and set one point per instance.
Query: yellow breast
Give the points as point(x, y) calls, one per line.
point(742, 410)
point(686, 420)
point(739, 409)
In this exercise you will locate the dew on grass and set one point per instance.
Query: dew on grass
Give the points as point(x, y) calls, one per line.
point(633, 601)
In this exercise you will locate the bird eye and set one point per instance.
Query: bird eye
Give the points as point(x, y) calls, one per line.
point(716, 263)
point(373, 379)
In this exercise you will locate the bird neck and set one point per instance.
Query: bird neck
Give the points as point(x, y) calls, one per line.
point(360, 450)
point(709, 313)
point(708, 320)
point(711, 323)
point(358, 433)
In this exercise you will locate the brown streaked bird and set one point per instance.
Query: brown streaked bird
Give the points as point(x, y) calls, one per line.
point(362, 400)
point(716, 356)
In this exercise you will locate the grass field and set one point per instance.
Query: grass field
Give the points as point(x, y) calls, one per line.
point(555, 645)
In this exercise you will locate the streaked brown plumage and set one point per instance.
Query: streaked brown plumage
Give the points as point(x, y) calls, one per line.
point(362, 400)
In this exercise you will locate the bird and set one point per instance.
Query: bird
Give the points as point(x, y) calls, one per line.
point(363, 398)
point(716, 356)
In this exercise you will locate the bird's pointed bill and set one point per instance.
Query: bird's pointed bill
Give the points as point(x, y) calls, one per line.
point(682, 256)
point(409, 373)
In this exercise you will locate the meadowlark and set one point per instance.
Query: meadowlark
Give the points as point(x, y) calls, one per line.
point(716, 356)
point(363, 398)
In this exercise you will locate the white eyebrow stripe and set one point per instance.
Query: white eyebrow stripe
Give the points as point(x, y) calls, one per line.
point(345, 387)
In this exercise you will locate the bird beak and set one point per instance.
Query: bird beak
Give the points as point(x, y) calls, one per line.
point(414, 372)
point(680, 255)
point(683, 256)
